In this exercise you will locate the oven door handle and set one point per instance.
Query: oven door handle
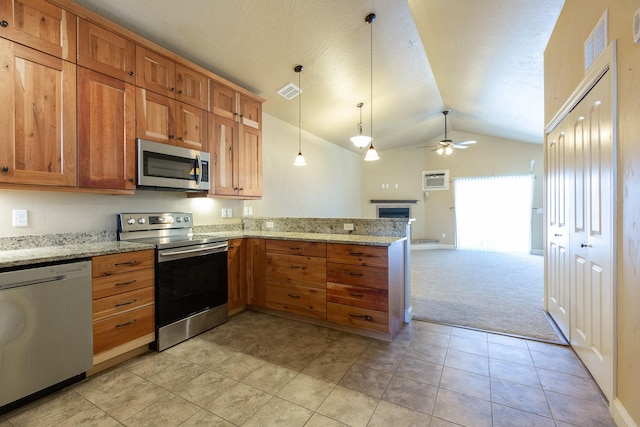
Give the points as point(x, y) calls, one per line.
point(203, 251)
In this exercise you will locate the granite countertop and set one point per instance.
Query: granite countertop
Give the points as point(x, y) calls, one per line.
point(21, 257)
point(64, 252)
point(354, 239)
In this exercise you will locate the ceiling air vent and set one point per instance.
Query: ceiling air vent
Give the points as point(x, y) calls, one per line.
point(289, 91)
point(435, 180)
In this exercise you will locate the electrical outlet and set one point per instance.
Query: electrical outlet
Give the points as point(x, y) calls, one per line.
point(229, 213)
point(224, 212)
point(348, 227)
point(20, 218)
point(245, 210)
point(269, 224)
point(444, 235)
point(250, 210)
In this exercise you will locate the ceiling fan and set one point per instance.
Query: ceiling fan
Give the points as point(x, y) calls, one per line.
point(446, 146)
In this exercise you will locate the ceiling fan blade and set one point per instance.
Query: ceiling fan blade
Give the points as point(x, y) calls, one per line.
point(459, 147)
point(466, 142)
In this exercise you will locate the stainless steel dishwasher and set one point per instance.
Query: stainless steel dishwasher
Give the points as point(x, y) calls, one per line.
point(46, 336)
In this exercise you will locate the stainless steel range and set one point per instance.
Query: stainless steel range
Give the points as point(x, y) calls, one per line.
point(191, 273)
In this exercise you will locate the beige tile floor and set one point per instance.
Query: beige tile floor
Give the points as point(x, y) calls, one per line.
point(260, 370)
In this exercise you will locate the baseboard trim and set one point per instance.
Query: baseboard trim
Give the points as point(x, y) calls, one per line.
point(408, 314)
point(537, 251)
point(427, 246)
point(621, 416)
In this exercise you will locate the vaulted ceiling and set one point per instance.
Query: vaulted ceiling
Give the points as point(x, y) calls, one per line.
point(483, 60)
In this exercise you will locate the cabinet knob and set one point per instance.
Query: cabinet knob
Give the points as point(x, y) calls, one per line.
point(131, 73)
point(4, 23)
point(172, 137)
point(181, 138)
point(173, 89)
point(131, 180)
point(5, 169)
point(180, 92)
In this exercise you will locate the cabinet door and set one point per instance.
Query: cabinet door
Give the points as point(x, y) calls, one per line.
point(106, 141)
point(38, 131)
point(40, 25)
point(250, 163)
point(237, 283)
point(256, 272)
point(191, 87)
point(250, 112)
point(191, 127)
point(155, 117)
point(223, 146)
point(155, 72)
point(223, 100)
point(106, 52)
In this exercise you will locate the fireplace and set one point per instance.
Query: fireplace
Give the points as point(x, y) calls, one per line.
point(394, 212)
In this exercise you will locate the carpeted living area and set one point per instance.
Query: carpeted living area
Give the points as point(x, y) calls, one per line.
point(491, 291)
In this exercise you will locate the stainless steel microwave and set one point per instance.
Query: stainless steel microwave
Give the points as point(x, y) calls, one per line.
point(167, 167)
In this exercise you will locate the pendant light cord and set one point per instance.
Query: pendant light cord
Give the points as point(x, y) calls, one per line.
point(299, 113)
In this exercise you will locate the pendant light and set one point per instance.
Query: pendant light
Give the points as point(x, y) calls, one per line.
point(372, 154)
point(360, 140)
point(299, 161)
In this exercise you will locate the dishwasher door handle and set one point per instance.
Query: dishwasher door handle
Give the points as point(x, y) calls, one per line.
point(33, 282)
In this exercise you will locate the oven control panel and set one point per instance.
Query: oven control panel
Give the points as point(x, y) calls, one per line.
point(154, 221)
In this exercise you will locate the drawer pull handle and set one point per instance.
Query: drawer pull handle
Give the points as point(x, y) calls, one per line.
point(294, 248)
point(294, 266)
point(356, 253)
point(357, 295)
point(132, 262)
point(130, 282)
point(122, 304)
point(362, 316)
point(356, 274)
point(130, 322)
point(294, 296)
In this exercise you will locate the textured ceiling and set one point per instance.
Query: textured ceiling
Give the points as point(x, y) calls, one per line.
point(480, 58)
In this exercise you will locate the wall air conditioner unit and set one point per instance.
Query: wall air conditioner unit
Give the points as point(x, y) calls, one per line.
point(435, 180)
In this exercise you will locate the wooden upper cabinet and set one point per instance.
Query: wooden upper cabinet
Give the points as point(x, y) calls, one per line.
point(155, 72)
point(250, 163)
point(38, 110)
point(223, 146)
point(228, 103)
point(223, 100)
point(250, 112)
point(106, 126)
point(106, 52)
point(191, 87)
point(191, 127)
point(155, 117)
point(40, 25)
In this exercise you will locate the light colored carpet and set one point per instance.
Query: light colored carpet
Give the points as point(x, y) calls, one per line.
point(484, 290)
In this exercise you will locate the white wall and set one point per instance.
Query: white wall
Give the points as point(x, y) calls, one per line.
point(328, 187)
point(434, 216)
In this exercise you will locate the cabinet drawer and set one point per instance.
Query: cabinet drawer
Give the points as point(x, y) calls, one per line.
point(117, 330)
point(107, 265)
point(370, 256)
point(358, 275)
point(294, 247)
point(358, 317)
point(374, 299)
point(111, 285)
point(120, 303)
point(294, 299)
point(298, 270)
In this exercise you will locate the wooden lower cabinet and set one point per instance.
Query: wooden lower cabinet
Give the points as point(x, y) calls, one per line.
point(296, 283)
point(255, 272)
point(123, 303)
point(237, 289)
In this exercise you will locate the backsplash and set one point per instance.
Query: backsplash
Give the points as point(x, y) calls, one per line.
point(48, 240)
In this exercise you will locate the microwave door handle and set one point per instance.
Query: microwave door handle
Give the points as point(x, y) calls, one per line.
point(197, 171)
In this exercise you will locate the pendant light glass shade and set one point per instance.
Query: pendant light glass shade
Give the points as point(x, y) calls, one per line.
point(360, 140)
point(300, 160)
point(372, 154)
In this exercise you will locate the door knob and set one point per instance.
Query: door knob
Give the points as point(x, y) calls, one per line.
point(558, 235)
point(584, 245)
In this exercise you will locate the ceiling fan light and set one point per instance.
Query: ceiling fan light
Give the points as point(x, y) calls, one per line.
point(440, 150)
point(371, 155)
point(448, 150)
